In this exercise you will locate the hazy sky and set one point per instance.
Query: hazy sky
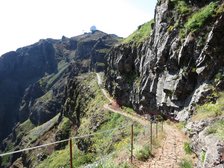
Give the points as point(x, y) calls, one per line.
point(24, 22)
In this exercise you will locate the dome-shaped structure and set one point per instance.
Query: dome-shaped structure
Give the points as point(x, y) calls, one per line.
point(93, 28)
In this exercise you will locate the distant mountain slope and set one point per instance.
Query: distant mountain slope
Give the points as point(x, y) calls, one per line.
point(32, 78)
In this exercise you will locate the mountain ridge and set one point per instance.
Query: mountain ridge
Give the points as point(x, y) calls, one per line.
point(41, 62)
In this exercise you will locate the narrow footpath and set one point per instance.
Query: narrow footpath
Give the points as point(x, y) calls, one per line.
point(172, 149)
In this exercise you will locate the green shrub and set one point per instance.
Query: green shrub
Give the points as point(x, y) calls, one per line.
point(181, 6)
point(187, 148)
point(57, 159)
point(199, 18)
point(143, 153)
point(217, 128)
point(84, 158)
point(185, 163)
point(210, 110)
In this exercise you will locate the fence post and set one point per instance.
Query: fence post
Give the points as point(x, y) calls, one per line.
point(156, 129)
point(70, 142)
point(162, 125)
point(132, 140)
point(151, 135)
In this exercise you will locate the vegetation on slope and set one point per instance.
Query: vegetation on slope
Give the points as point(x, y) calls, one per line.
point(186, 163)
point(140, 34)
point(192, 19)
point(99, 149)
point(198, 19)
point(181, 6)
point(210, 110)
point(217, 129)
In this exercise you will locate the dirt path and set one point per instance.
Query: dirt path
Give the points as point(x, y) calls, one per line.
point(171, 151)
point(100, 82)
point(132, 117)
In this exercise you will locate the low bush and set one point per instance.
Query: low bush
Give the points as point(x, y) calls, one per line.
point(185, 163)
point(181, 6)
point(210, 110)
point(217, 128)
point(143, 153)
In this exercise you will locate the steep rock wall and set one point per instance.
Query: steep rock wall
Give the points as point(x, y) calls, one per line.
point(175, 70)
point(167, 73)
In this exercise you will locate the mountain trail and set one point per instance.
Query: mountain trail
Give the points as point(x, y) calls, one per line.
point(171, 151)
point(172, 148)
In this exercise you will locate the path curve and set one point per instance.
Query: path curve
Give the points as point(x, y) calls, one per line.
point(132, 117)
point(171, 151)
point(100, 83)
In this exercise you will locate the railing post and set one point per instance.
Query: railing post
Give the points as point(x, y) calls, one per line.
point(162, 125)
point(156, 129)
point(70, 142)
point(132, 141)
point(151, 135)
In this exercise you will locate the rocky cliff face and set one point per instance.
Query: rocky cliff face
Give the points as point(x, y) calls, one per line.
point(33, 78)
point(17, 71)
point(176, 69)
point(169, 72)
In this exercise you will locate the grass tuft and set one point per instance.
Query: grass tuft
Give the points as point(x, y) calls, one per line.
point(199, 18)
point(181, 6)
point(210, 110)
point(185, 163)
point(140, 34)
point(203, 154)
point(217, 129)
point(143, 153)
point(187, 148)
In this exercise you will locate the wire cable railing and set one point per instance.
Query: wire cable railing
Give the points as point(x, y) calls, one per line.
point(113, 132)
point(61, 141)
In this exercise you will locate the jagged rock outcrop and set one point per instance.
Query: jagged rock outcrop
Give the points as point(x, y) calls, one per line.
point(17, 71)
point(77, 98)
point(167, 73)
point(209, 148)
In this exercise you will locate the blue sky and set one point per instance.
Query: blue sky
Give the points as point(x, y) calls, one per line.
point(24, 22)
